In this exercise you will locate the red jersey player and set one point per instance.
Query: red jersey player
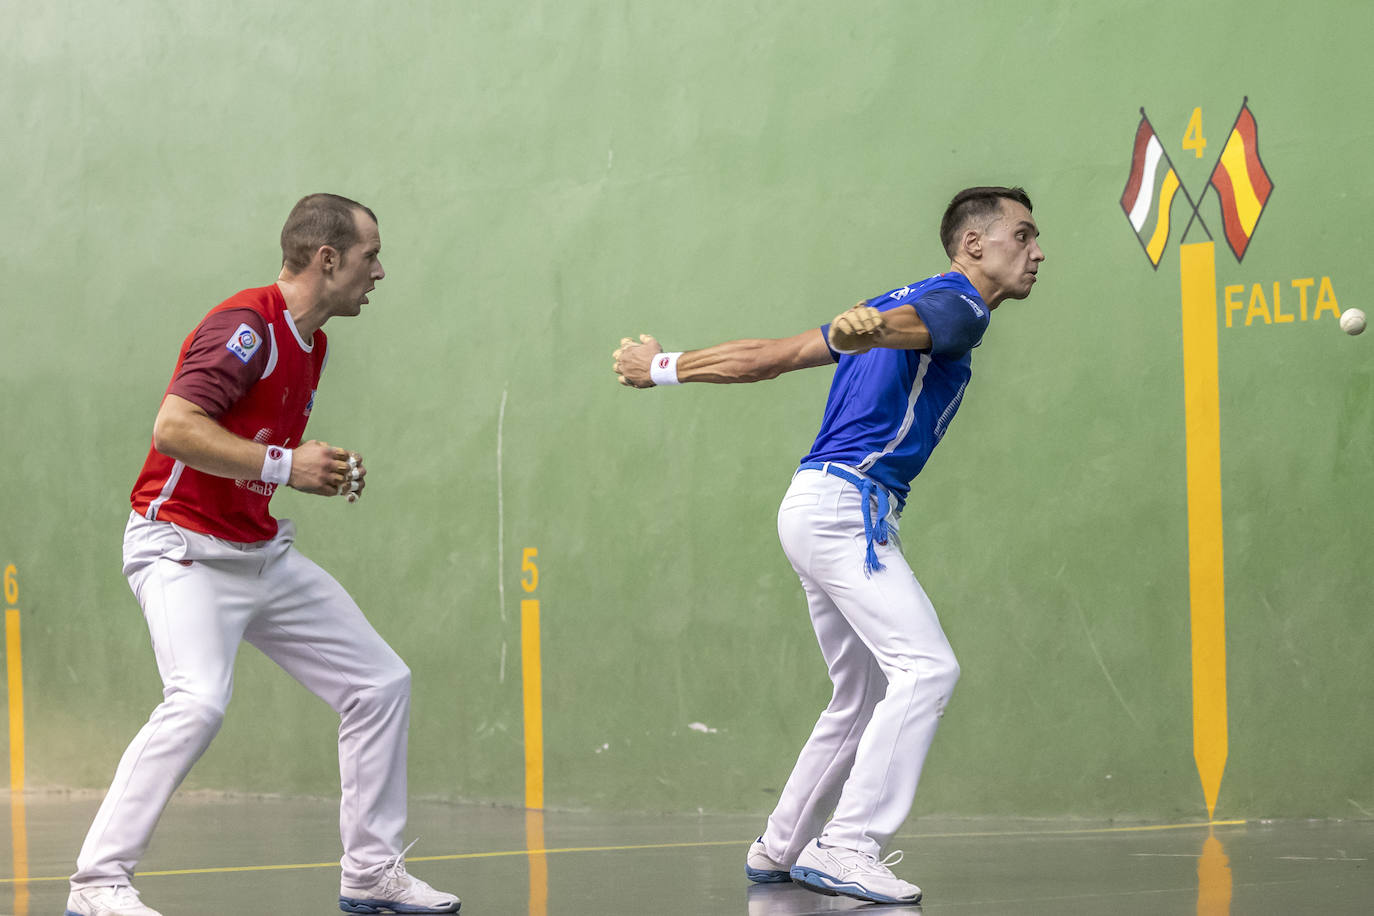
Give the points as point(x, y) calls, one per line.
point(247, 367)
point(212, 568)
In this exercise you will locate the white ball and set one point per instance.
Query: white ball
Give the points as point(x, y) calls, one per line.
point(1352, 321)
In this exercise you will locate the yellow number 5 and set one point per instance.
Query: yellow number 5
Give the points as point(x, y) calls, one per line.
point(527, 564)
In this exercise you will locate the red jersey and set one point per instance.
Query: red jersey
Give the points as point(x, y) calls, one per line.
point(245, 365)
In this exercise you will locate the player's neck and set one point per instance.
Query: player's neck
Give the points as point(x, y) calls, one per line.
point(988, 291)
point(304, 302)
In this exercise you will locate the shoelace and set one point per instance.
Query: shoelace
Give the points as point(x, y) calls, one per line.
point(395, 866)
point(123, 893)
point(892, 859)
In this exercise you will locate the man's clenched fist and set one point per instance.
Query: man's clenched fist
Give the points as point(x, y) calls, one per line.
point(856, 330)
point(632, 360)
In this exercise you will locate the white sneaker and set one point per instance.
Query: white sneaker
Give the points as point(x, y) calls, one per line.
point(835, 870)
point(761, 868)
point(113, 900)
point(397, 891)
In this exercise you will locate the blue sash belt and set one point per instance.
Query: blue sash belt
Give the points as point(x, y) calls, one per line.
point(873, 531)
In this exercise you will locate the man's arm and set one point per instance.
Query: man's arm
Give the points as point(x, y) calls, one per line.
point(185, 432)
point(750, 360)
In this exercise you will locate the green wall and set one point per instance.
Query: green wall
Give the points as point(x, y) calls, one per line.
point(552, 176)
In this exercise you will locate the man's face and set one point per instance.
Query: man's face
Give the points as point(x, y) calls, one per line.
point(360, 267)
point(1011, 253)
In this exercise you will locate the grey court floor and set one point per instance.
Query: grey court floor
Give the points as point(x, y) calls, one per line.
point(214, 856)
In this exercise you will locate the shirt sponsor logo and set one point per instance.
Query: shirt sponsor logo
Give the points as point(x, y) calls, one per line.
point(310, 405)
point(244, 343)
point(977, 309)
point(900, 293)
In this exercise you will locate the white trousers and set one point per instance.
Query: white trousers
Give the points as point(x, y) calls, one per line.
point(201, 597)
point(892, 668)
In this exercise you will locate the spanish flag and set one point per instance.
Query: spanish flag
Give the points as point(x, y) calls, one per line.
point(1241, 182)
point(1150, 191)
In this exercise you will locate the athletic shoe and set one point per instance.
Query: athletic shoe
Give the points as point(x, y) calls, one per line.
point(760, 868)
point(397, 891)
point(112, 900)
point(835, 870)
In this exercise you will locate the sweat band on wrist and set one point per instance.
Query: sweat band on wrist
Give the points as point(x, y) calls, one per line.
point(276, 467)
point(663, 370)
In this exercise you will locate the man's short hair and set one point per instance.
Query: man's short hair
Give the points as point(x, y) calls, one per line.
point(317, 220)
point(973, 204)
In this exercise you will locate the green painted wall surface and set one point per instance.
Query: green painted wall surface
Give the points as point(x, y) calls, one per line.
point(552, 176)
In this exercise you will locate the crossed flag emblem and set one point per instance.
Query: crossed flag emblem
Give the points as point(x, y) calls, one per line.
point(1239, 178)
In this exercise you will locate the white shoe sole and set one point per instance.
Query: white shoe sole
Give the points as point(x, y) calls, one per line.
point(766, 875)
point(356, 905)
point(815, 880)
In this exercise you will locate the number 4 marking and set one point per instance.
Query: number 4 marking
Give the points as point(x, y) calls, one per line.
point(1192, 137)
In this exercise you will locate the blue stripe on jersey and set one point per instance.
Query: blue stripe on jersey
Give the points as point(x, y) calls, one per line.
point(888, 409)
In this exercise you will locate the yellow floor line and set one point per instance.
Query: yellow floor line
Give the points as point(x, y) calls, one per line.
point(1085, 831)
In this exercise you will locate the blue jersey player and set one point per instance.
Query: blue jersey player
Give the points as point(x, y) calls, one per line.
point(903, 364)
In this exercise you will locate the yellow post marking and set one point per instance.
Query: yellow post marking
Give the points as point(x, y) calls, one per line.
point(19, 831)
point(539, 863)
point(532, 678)
point(15, 668)
point(1206, 578)
point(534, 709)
point(14, 664)
point(1213, 879)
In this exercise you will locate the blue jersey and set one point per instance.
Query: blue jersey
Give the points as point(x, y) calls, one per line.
point(888, 409)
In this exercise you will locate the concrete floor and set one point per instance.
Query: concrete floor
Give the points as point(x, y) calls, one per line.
point(214, 856)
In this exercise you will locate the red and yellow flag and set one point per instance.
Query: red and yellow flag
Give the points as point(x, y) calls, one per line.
point(1241, 182)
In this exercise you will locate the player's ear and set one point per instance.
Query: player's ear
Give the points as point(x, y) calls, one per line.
point(327, 256)
point(972, 242)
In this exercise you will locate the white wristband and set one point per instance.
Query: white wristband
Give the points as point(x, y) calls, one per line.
point(663, 370)
point(276, 467)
